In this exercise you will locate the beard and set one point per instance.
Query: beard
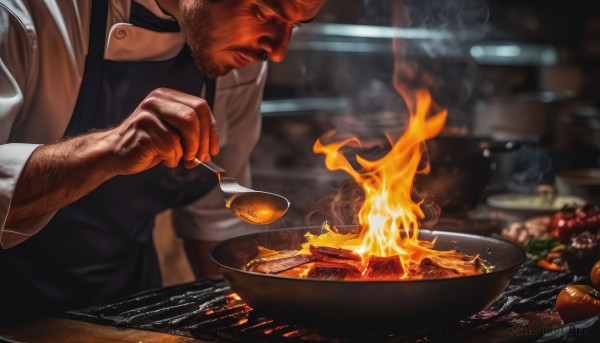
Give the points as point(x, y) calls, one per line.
point(197, 27)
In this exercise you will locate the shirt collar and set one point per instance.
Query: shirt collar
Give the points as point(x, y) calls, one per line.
point(142, 17)
point(153, 7)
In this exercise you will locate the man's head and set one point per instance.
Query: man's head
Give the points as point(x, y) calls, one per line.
point(228, 34)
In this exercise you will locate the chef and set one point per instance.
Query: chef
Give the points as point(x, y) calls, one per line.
point(104, 105)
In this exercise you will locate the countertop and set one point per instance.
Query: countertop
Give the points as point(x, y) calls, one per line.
point(55, 329)
point(209, 311)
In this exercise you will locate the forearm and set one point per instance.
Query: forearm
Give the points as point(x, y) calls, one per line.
point(60, 173)
point(167, 126)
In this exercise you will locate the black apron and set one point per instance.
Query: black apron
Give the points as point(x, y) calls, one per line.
point(101, 247)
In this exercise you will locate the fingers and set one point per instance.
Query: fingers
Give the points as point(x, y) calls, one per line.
point(209, 138)
point(169, 149)
point(164, 140)
point(186, 121)
point(188, 116)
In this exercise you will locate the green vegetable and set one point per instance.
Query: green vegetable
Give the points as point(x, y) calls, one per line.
point(538, 248)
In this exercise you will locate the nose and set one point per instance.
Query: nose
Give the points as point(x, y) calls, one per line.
point(276, 43)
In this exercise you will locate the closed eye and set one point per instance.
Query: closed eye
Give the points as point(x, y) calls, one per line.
point(260, 15)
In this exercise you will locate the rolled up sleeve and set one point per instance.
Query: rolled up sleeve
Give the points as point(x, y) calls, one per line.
point(13, 158)
point(16, 46)
point(237, 112)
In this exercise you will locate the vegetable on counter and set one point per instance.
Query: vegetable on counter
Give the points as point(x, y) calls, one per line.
point(569, 240)
point(522, 232)
point(579, 302)
point(570, 221)
point(554, 262)
point(537, 248)
point(582, 252)
point(578, 256)
point(548, 252)
point(595, 275)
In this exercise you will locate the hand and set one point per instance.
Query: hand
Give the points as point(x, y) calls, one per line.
point(167, 125)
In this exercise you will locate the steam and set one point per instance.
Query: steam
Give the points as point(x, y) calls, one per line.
point(339, 208)
point(441, 61)
point(531, 167)
point(430, 50)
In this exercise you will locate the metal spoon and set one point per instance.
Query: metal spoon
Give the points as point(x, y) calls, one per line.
point(254, 207)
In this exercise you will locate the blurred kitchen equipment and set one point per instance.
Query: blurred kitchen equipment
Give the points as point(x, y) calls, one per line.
point(582, 182)
point(254, 207)
point(461, 169)
point(525, 206)
point(578, 145)
point(531, 116)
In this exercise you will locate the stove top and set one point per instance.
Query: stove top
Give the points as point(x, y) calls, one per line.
point(210, 310)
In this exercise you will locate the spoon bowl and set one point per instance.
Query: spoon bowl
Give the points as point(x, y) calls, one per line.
point(254, 207)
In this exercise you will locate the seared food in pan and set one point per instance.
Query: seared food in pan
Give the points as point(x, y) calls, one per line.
point(325, 262)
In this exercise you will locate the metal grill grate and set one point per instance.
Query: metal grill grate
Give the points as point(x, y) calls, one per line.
point(209, 310)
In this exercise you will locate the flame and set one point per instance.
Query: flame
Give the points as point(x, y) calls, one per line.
point(389, 218)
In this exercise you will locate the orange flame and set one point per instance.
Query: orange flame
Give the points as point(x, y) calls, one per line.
point(389, 218)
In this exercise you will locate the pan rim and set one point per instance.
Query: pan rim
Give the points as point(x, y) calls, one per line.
point(495, 272)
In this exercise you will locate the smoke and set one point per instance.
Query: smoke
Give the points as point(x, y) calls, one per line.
point(439, 59)
point(529, 167)
point(431, 50)
point(445, 16)
point(342, 207)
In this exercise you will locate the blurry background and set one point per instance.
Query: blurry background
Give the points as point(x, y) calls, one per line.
point(520, 79)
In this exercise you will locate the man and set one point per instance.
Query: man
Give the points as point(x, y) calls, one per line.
point(103, 111)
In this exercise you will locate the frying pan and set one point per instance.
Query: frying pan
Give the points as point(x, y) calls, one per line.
point(334, 302)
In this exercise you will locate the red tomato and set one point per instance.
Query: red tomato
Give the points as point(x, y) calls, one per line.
point(578, 302)
point(568, 222)
point(595, 275)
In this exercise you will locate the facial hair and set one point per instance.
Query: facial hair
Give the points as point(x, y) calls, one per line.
point(198, 26)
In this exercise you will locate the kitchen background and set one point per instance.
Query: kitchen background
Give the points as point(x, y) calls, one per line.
point(520, 79)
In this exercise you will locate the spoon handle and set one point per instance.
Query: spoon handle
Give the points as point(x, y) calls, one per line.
point(210, 165)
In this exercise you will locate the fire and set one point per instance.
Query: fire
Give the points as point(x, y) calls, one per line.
point(389, 218)
point(388, 212)
point(387, 246)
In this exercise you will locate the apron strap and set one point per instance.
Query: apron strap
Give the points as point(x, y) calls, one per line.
point(211, 89)
point(98, 28)
point(98, 36)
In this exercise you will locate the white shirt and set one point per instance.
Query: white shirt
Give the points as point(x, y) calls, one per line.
point(43, 45)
